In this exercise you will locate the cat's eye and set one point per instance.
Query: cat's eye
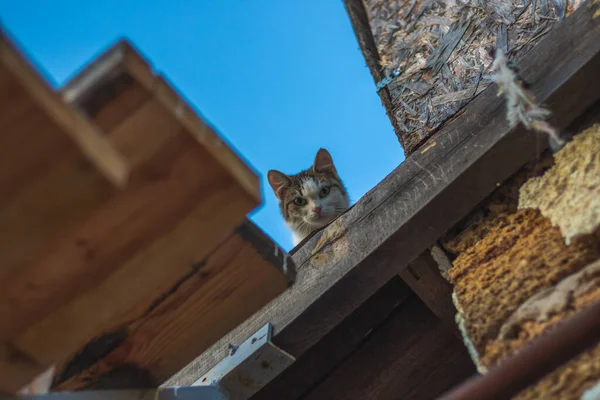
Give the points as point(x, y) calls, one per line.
point(300, 201)
point(324, 191)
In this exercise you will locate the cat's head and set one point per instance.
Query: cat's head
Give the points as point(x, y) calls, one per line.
point(312, 198)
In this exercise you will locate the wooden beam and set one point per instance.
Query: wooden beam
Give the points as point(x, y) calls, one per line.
point(54, 166)
point(167, 329)
point(174, 230)
point(424, 278)
point(343, 265)
point(410, 356)
point(327, 311)
point(338, 345)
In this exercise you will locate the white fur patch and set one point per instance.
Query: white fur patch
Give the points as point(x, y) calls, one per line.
point(296, 238)
point(309, 187)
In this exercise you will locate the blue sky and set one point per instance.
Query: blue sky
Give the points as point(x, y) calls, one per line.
point(278, 79)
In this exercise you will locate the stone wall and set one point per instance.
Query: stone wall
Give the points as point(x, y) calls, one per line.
point(528, 258)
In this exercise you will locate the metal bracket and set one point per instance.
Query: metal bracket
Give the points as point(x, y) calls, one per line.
point(248, 367)
point(238, 376)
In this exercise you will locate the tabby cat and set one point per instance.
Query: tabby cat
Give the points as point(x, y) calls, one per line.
point(312, 198)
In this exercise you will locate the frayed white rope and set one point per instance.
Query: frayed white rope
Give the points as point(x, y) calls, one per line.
point(519, 104)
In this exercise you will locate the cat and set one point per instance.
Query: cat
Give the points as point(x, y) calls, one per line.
point(312, 198)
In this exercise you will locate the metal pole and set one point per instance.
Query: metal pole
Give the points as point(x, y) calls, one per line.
point(562, 343)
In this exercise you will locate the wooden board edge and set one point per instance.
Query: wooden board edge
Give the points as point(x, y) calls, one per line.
point(97, 149)
point(124, 57)
point(104, 349)
point(87, 79)
point(268, 249)
point(359, 21)
point(426, 281)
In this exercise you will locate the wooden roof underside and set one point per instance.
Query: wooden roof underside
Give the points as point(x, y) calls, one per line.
point(125, 247)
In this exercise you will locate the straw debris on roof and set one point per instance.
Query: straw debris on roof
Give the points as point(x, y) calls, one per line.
point(442, 52)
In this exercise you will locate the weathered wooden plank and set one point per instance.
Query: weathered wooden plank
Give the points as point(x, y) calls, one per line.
point(166, 329)
point(187, 193)
point(327, 312)
point(343, 265)
point(425, 279)
point(411, 356)
point(54, 167)
point(338, 345)
point(133, 219)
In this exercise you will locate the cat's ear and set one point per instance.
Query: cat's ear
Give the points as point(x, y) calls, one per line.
point(278, 181)
point(324, 162)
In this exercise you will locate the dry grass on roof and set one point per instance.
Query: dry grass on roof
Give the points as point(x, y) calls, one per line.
point(442, 49)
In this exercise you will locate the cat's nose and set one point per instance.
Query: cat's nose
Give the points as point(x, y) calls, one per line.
point(317, 210)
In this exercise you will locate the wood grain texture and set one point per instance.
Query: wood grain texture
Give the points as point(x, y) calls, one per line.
point(324, 314)
point(166, 329)
point(343, 265)
point(54, 167)
point(186, 194)
point(172, 199)
point(411, 356)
